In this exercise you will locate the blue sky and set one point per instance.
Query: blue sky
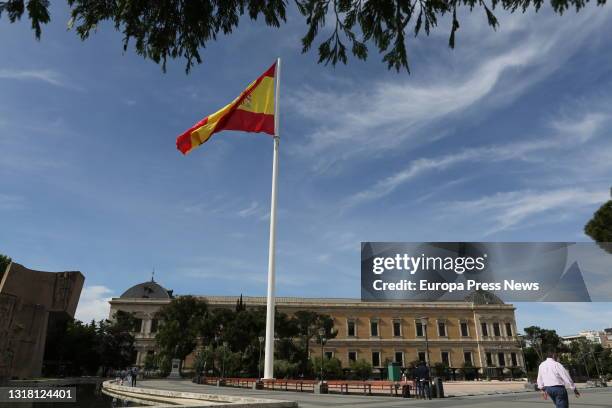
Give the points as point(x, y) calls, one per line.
point(506, 138)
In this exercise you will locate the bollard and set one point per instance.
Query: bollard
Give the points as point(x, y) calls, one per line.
point(439, 387)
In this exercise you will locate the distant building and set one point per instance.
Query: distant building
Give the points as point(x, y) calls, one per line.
point(591, 335)
point(607, 338)
point(481, 331)
point(31, 301)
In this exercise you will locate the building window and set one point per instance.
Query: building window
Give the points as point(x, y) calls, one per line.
point(442, 329)
point(154, 326)
point(351, 328)
point(445, 358)
point(489, 360)
point(419, 329)
point(496, 331)
point(464, 330)
point(422, 356)
point(399, 357)
point(376, 359)
point(513, 359)
point(502, 359)
point(397, 328)
point(509, 329)
point(467, 357)
point(485, 329)
point(352, 356)
point(374, 328)
point(138, 325)
point(329, 355)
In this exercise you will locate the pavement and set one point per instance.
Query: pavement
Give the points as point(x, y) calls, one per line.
point(591, 398)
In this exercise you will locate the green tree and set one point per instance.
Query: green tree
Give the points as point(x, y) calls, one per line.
point(361, 369)
point(162, 30)
point(543, 341)
point(181, 323)
point(307, 326)
point(4, 262)
point(285, 369)
point(332, 367)
point(599, 228)
point(115, 342)
point(68, 348)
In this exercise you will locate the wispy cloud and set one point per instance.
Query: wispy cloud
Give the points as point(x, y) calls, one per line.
point(377, 116)
point(43, 75)
point(508, 210)
point(93, 304)
point(252, 209)
point(568, 133)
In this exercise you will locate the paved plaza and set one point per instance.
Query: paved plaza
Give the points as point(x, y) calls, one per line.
point(591, 398)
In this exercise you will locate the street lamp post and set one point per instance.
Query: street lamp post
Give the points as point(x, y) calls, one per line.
point(261, 340)
point(323, 340)
point(223, 362)
point(424, 322)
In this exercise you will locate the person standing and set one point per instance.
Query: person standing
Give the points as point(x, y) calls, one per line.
point(134, 375)
point(552, 379)
point(421, 375)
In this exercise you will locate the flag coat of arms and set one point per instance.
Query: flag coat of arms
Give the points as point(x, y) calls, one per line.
point(251, 111)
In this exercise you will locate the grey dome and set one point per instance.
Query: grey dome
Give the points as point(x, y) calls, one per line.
point(147, 290)
point(482, 297)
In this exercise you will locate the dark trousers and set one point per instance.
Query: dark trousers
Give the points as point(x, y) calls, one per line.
point(423, 389)
point(558, 396)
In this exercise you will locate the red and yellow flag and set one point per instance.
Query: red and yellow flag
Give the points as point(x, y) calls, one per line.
point(252, 111)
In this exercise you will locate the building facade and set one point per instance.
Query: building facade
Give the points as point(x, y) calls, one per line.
point(479, 332)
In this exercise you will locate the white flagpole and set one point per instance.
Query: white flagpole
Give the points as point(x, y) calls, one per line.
point(270, 307)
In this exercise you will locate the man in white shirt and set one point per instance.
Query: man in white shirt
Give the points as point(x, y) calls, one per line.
point(552, 379)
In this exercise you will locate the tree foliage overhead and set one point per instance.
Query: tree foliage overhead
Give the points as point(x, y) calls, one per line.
point(599, 228)
point(180, 29)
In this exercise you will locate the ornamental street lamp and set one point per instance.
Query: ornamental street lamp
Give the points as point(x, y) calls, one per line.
point(323, 341)
point(261, 340)
point(223, 362)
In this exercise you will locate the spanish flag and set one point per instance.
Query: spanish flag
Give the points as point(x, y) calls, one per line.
point(252, 111)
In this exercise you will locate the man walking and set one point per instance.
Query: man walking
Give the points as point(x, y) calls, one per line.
point(552, 379)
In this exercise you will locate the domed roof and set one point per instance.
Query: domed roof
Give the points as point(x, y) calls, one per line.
point(483, 297)
point(147, 290)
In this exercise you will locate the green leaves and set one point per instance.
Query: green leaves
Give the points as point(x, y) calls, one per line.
point(174, 29)
point(38, 12)
point(599, 228)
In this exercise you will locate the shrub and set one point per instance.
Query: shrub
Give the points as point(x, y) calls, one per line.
point(361, 369)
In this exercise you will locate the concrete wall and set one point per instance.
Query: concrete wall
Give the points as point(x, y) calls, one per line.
point(27, 297)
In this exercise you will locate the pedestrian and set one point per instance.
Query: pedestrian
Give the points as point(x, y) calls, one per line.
point(552, 379)
point(421, 375)
point(134, 375)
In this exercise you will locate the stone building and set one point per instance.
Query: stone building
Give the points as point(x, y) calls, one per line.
point(481, 331)
point(31, 301)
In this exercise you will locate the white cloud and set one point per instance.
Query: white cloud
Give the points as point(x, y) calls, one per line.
point(568, 133)
point(44, 75)
point(93, 304)
point(252, 209)
point(376, 116)
point(509, 209)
